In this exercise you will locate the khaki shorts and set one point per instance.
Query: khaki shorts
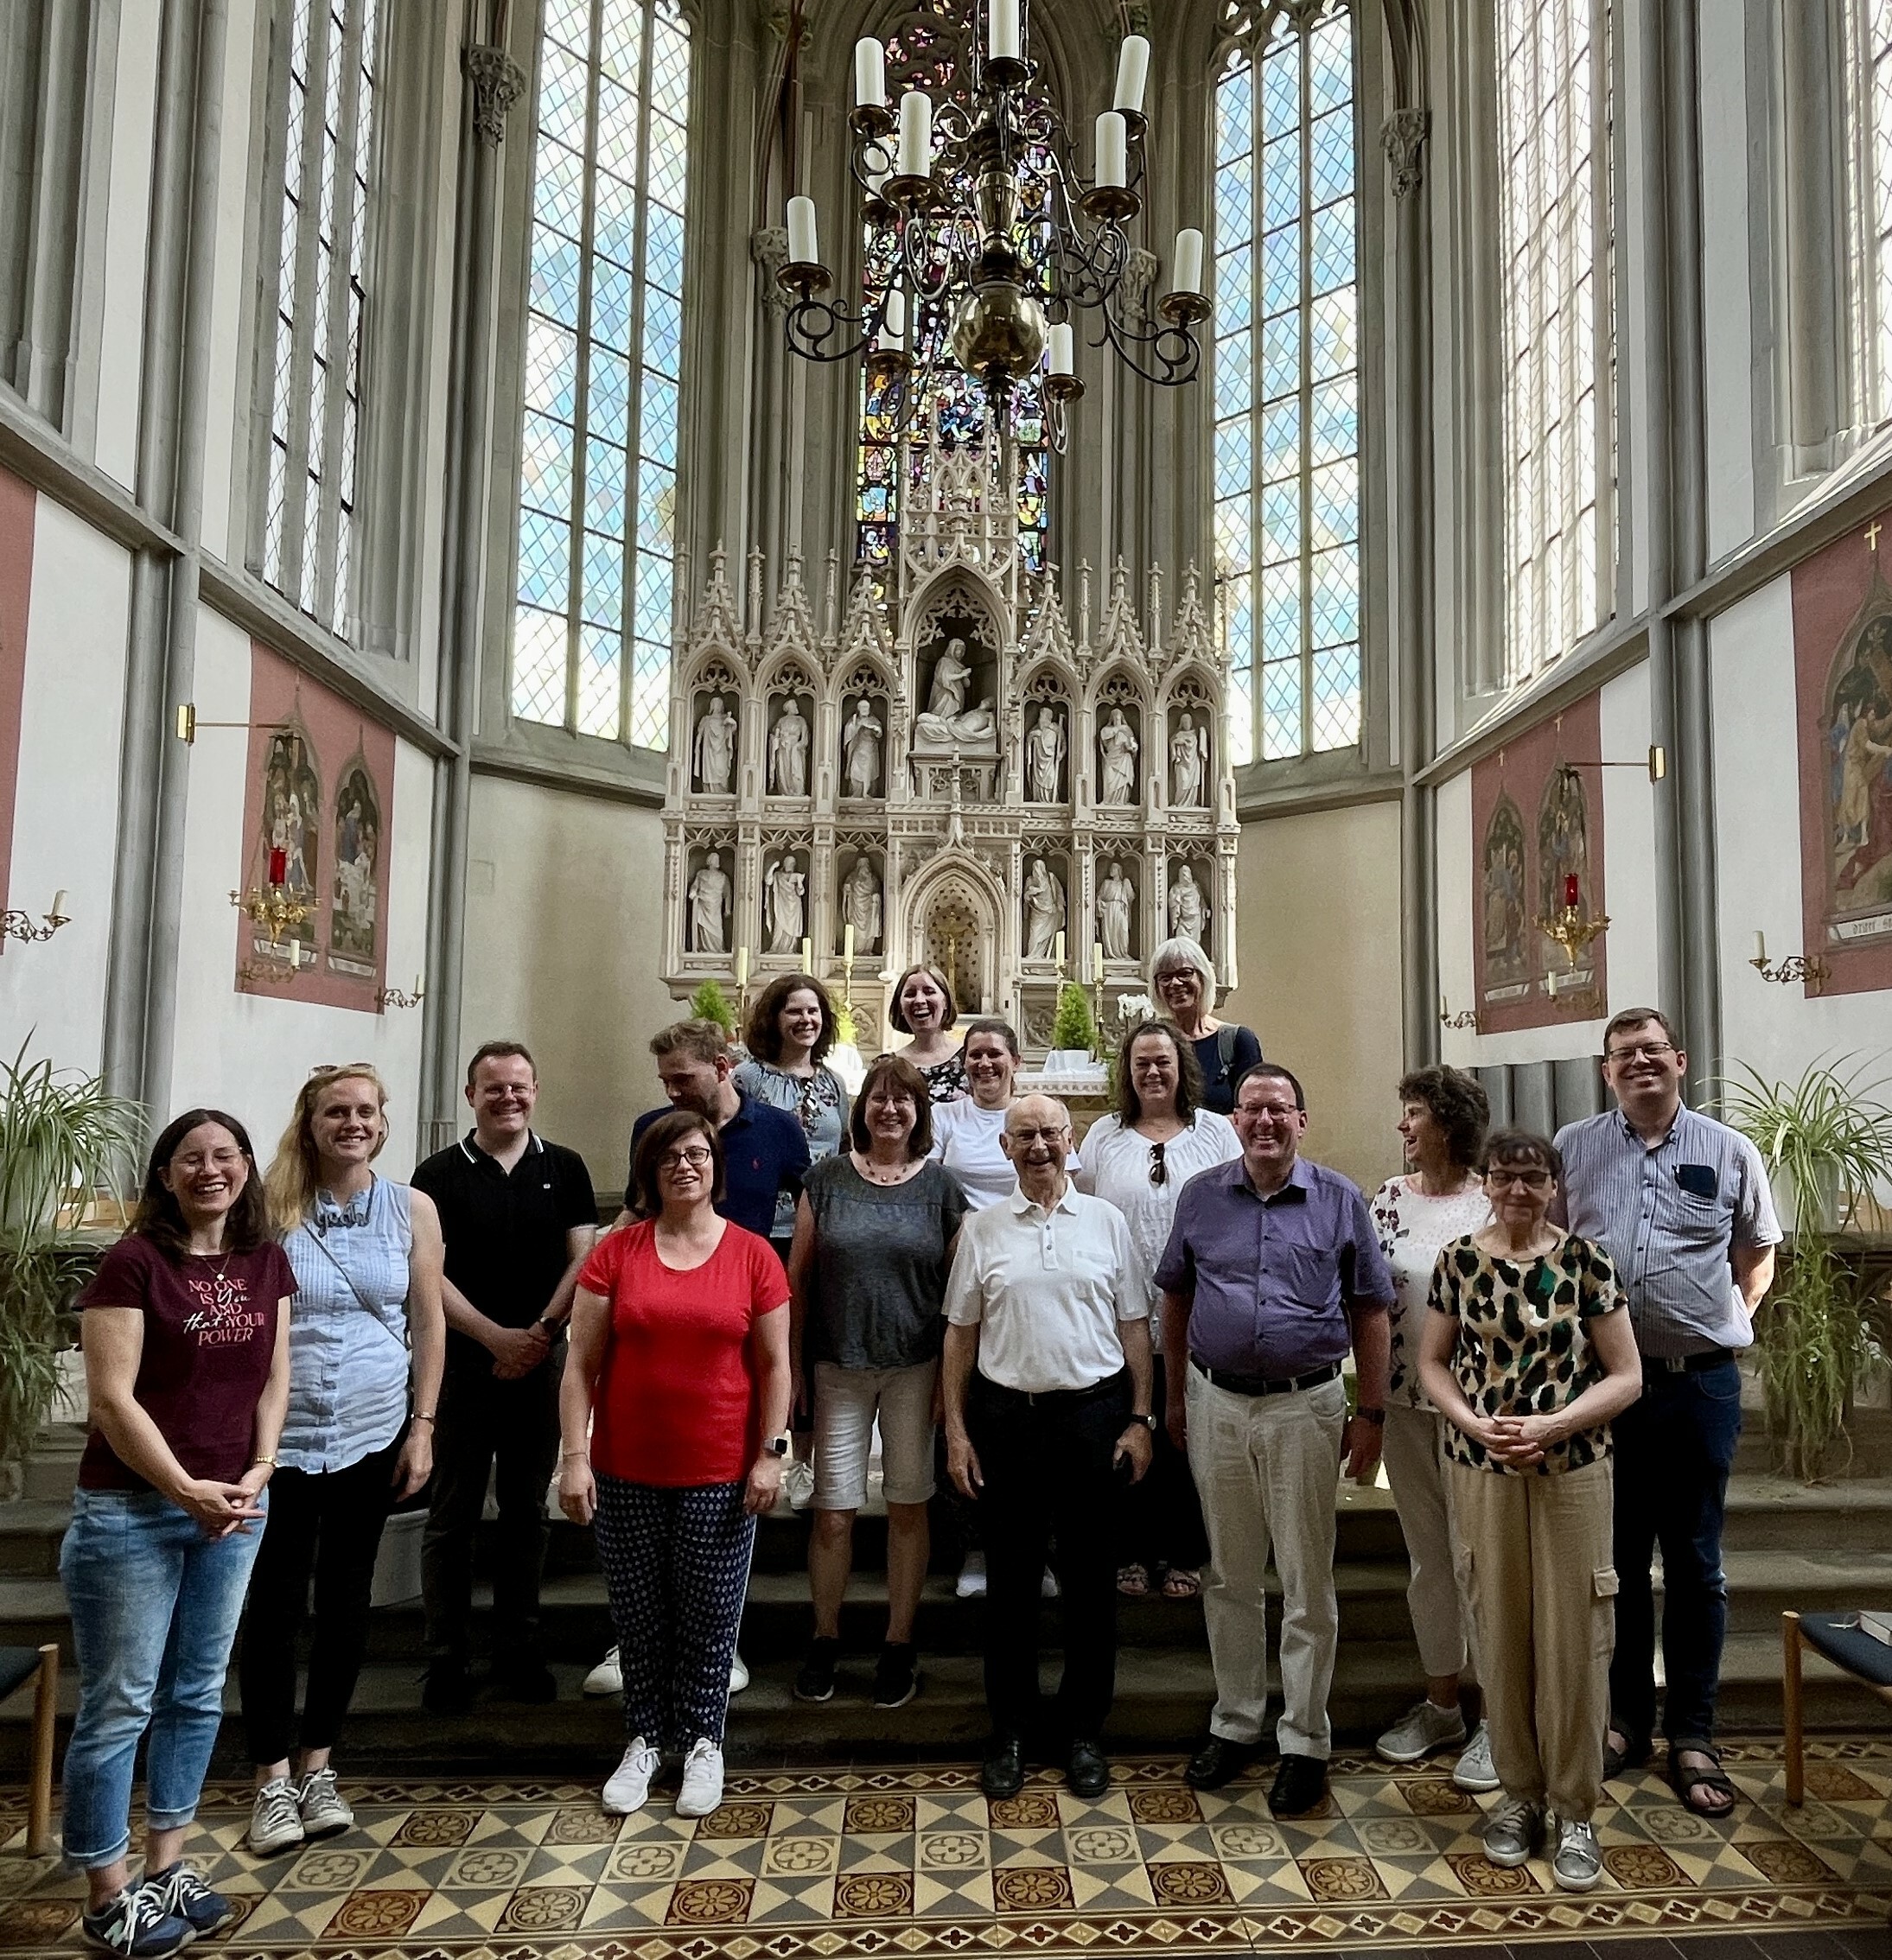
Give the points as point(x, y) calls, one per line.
point(846, 1400)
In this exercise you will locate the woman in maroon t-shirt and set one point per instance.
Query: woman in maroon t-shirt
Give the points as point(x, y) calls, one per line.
point(185, 1334)
point(679, 1364)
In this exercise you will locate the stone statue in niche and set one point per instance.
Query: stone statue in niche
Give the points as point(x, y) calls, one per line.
point(1116, 748)
point(1188, 764)
point(861, 749)
point(1189, 910)
point(783, 885)
point(788, 751)
point(1044, 910)
point(948, 721)
point(861, 905)
point(715, 748)
point(1116, 900)
point(709, 906)
point(1044, 757)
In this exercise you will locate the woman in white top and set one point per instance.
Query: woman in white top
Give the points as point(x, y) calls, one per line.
point(965, 1135)
point(1139, 1158)
point(1444, 1116)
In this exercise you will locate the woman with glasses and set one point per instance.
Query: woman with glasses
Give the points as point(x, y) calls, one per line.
point(678, 1369)
point(874, 1239)
point(1138, 1158)
point(1182, 984)
point(789, 1035)
point(1528, 1353)
point(367, 1344)
point(923, 1008)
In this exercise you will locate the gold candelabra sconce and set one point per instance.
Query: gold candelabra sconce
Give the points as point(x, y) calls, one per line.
point(1467, 1018)
point(1809, 971)
point(17, 924)
point(393, 997)
point(268, 972)
point(273, 908)
point(1570, 926)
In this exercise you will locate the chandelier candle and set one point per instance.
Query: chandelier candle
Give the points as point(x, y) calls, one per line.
point(893, 332)
point(1188, 262)
point(1063, 341)
point(1003, 41)
point(1133, 74)
point(802, 248)
point(915, 157)
point(1112, 151)
point(870, 74)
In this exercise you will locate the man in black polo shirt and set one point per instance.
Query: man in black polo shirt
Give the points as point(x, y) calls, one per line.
point(518, 1217)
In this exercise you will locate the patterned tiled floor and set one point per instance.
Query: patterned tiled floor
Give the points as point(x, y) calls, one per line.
point(827, 1864)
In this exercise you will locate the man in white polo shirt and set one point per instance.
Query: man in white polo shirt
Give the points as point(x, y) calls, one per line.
point(1046, 1384)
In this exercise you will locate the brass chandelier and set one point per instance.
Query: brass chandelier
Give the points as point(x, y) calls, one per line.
point(978, 216)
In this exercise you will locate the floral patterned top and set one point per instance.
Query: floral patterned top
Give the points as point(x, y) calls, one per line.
point(1523, 1345)
point(818, 1102)
point(1414, 1228)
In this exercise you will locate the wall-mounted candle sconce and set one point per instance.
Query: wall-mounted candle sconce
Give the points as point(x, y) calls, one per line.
point(17, 924)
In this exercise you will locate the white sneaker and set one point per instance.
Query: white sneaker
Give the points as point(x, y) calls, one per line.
point(1048, 1586)
point(606, 1677)
point(1424, 1727)
point(1512, 1833)
point(797, 1484)
point(1475, 1770)
point(1577, 1864)
point(276, 1821)
point(324, 1811)
point(738, 1674)
point(629, 1786)
point(702, 1789)
point(972, 1580)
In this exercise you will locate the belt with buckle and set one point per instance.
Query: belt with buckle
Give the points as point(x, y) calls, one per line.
point(1261, 1385)
point(1686, 1363)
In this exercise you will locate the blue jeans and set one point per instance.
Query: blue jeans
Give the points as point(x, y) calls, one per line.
point(1674, 1449)
point(154, 1605)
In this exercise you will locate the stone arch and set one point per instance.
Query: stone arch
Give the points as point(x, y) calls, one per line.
point(957, 876)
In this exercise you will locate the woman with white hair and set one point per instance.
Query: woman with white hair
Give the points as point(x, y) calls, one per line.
point(1182, 984)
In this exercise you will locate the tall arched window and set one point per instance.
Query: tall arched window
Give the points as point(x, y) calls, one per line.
point(591, 626)
point(924, 51)
point(1287, 380)
point(1868, 45)
point(1558, 316)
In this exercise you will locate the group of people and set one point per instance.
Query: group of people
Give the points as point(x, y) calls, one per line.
point(1133, 1370)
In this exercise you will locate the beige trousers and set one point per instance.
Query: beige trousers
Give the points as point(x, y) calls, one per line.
point(1267, 1469)
point(1543, 1596)
point(1439, 1592)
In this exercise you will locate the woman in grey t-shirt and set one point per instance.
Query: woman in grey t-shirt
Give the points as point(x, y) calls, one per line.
point(874, 1236)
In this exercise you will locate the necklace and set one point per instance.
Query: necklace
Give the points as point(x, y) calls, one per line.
point(879, 1174)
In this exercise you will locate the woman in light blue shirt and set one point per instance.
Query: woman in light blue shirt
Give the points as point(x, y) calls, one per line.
point(368, 1340)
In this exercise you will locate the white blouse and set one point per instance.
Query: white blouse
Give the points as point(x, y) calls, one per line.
point(1413, 1230)
point(965, 1139)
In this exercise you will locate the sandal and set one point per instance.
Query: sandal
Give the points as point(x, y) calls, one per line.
point(1133, 1582)
point(1633, 1753)
point(1181, 1585)
point(1685, 1779)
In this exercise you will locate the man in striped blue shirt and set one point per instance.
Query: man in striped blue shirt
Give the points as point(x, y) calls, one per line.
point(1681, 1203)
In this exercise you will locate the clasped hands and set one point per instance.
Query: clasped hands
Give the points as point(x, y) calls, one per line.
point(1518, 1441)
point(516, 1351)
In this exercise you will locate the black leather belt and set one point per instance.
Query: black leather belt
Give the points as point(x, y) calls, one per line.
point(1686, 1363)
point(1260, 1384)
point(1110, 1384)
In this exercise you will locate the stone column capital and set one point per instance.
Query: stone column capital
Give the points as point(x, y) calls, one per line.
point(498, 83)
point(1402, 136)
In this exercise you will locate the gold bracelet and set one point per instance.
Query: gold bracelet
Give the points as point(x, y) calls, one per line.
point(563, 1453)
point(256, 1463)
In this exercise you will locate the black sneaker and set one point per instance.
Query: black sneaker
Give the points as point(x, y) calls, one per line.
point(447, 1689)
point(816, 1680)
point(180, 1891)
point(896, 1680)
point(134, 1923)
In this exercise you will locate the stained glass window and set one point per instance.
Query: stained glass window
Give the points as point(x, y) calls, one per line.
point(313, 366)
point(923, 52)
point(1558, 319)
point(598, 540)
point(1869, 56)
point(1286, 382)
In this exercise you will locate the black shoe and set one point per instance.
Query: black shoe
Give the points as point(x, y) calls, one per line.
point(525, 1681)
point(447, 1690)
point(1003, 1773)
point(816, 1680)
point(896, 1680)
point(1218, 1761)
point(1300, 1784)
point(1087, 1773)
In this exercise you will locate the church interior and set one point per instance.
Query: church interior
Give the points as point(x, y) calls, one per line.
point(517, 516)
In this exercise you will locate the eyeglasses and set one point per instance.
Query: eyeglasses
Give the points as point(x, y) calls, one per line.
point(1534, 1178)
point(1049, 1136)
point(677, 1160)
point(1643, 1051)
point(1281, 1110)
point(1159, 1171)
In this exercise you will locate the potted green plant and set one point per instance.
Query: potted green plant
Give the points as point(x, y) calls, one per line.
point(62, 1137)
point(1827, 1143)
point(709, 1003)
point(1074, 1033)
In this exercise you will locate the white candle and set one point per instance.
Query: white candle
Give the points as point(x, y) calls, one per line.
point(1002, 36)
point(58, 905)
point(1057, 952)
point(802, 248)
point(1062, 341)
point(847, 943)
point(876, 180)
point(807, 955)
point(741, 966)
point(915, 159)
point(1759, 949)
point(1112, 145)
point(1188, 274)
point(1097, 959)
point(1132, 72)
point(869, 73)
point(893, 332)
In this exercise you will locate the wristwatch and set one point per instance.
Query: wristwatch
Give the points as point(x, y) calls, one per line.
point(778, 1446)
point(1374, 1415)
point(1148, 1421)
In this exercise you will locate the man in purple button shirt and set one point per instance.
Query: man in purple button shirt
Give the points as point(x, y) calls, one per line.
point(1272, 1272)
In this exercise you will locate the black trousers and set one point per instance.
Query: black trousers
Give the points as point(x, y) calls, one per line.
point(1047, 1465)
point(327, 1525)
point(1163, 1515)
point(484, 1422)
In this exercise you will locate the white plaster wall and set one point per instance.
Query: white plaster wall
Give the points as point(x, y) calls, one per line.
point(128, 211)
point(229, 381)
point(1774, 1029)
point(249, 1052)
point(1727, 303)
point(66, 814)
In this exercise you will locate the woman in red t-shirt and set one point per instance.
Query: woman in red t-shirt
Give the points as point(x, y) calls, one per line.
point(679, 1365)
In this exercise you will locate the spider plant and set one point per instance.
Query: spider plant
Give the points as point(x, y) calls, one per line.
point(62, 1136)
point(1827, 1143)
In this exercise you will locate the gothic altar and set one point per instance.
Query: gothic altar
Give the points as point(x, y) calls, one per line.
point(959, 771)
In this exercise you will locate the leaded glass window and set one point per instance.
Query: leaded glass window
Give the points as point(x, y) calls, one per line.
point(1558, 322)
point(1868, 59)
point(1286, 380)
point(926, 51)
point(311, 359)
point(591, 622)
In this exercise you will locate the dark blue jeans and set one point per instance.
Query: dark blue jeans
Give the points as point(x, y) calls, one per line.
point(1674, 1449)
